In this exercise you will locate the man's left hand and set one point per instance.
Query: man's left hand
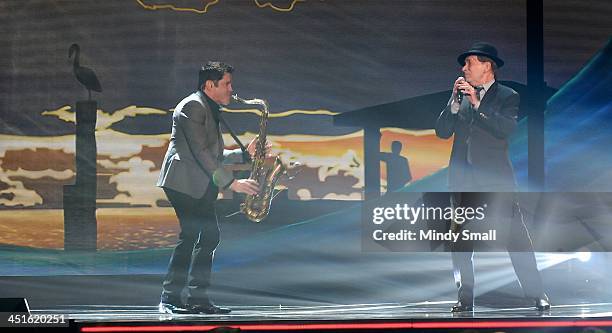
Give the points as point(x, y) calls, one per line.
point(470, 93)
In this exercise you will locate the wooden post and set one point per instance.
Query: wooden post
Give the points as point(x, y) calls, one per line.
point(535, 94)
point(371, 152)
point(80, 225)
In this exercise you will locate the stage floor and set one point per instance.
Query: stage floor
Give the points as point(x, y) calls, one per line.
point(422, 315)
point(394, 311)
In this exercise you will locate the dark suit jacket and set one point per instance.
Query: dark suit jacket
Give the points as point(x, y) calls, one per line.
point(195, 152)
point(479, 160)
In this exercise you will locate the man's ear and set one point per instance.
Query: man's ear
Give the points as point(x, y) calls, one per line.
point(207, 84)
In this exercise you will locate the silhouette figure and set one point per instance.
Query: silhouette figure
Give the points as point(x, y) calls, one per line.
point(398, 168)
point(85, 75)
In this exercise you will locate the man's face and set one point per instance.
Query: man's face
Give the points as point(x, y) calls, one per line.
point(475, 71)
point(222, 92)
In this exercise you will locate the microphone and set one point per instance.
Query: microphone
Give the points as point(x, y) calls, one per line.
point(460, 92)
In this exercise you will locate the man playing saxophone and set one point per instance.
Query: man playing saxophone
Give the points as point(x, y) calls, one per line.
point(191, 175)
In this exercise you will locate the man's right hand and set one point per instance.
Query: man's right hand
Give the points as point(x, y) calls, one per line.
point(246, 186)
point(460, 81)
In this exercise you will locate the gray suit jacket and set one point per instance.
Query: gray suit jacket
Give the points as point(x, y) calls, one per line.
point(195, 153)
point(479, 160)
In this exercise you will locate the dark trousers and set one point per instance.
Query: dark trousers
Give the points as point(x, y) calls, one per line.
point(518, 245)
point(191, 261)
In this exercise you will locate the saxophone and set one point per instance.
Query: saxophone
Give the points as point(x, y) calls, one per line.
point(264, 171)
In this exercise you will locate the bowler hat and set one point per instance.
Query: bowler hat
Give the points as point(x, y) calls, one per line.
point(482, 49)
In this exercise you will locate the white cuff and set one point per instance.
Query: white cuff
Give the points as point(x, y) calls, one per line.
point(454, 107)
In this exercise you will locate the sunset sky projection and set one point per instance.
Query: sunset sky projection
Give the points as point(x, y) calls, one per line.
point(310, 59)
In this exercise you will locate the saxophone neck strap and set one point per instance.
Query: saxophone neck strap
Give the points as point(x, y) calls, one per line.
point(246, 157)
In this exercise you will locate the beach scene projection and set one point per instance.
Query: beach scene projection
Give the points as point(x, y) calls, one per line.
point(310, 59)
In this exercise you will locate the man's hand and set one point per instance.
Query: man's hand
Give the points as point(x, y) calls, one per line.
point(246, 186)
point(252, 147)
point(460, 80)
point(469, 92)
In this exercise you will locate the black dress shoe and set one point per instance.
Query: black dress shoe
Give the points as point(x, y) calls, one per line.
point(207, 308)
point(461, 307)
point(542, 304)
point(171, 308)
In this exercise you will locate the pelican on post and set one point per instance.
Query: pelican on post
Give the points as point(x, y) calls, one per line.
point(85, 75)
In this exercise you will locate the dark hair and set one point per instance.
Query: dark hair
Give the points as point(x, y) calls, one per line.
point(214, 70)
point(482, 58)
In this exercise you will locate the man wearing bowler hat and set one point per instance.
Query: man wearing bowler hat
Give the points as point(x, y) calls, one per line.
point(482, 114)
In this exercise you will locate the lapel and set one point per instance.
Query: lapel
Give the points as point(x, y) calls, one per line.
point(465, 112)
point(207, 108)
point(202, 99)
point(488, 97)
